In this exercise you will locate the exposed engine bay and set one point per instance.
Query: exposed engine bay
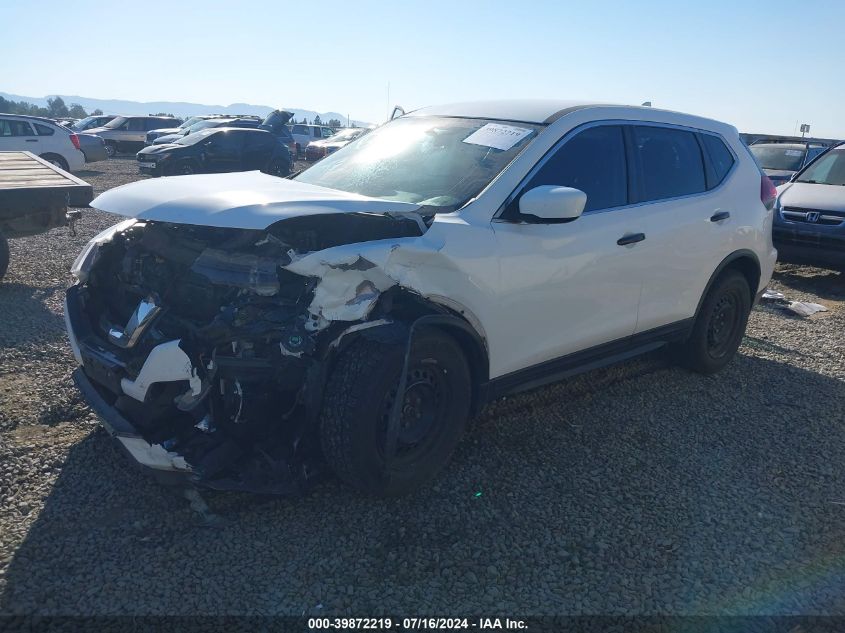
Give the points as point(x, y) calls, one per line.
point(215, 342)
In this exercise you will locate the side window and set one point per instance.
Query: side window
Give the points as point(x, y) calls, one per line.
point(259, 141)
point(327, 132)
point(670, 162)
point(43, 130)
point(592, 161)
point(300, 129)
point(229, 141)
point(720, 159)
point(137, 125)
point(12, 127)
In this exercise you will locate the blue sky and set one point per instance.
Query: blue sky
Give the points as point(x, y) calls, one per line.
point(733, 60)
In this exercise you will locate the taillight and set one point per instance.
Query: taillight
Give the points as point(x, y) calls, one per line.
point(768, 193)
point(75, 140)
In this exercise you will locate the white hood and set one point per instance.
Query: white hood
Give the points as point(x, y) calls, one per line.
point(807, 195)
point(242, 200)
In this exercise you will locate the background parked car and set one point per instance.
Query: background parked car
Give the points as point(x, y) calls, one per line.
point(127, 133)
point(809, 225)
point(93, 147)
point(218, 150)
point(91, 122)
point(318, 149)
point(303, 134)
point(42, 137)
point(152, 135)
point(251, 122)
point(780, 161)
point(277, 123)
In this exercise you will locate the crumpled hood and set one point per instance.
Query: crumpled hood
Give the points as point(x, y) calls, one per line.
point(242, 200)
point(806, 195)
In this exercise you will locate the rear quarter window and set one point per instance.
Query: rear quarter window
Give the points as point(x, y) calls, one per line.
point(43, 130)
point(720, 160)
point(670, 162)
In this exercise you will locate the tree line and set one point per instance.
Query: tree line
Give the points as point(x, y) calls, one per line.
point(56, 109)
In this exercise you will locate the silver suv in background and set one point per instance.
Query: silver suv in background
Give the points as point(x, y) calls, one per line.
point(303, 134)
point(781, 161)
point(128, 133)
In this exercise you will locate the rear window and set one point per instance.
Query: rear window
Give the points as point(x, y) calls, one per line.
point(670, 162)
point(779, 157)
point(720, 159)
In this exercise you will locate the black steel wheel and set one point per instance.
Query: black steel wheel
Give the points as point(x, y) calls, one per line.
point(720, 325)
point(361, 394)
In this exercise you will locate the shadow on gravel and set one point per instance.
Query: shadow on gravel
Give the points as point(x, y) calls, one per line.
point(642, 489)
point(826, 284)
point(25, 316)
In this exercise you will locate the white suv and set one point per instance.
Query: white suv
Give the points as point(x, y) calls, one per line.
point(51, 142)
point(243, 329)
point(304, 134)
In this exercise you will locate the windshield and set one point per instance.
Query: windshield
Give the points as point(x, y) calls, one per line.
point(190, 122)
point(433, 161)
point(80, 125)
point(206, 124)
point(115, 122)
point(196, 137)
point(779, 156)
point(827, 170)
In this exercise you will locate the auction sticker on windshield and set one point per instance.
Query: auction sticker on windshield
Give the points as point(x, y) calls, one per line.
point(498, 136)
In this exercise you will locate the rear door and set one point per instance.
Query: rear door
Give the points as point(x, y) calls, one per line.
point(686, 222)
point(224, 151)
point(258, 148)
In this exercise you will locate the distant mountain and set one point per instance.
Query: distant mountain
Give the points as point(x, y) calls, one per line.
point(179, 108)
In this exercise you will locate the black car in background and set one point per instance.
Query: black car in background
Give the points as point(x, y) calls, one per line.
point(215, 150)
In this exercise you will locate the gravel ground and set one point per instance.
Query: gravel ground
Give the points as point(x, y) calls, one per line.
point(640, 489)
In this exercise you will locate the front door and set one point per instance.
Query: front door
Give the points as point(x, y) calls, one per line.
point(568, 287)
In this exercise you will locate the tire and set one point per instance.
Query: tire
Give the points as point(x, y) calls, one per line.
point(111, 150)
point(4, 256)
point(279, 167)
point(359, 397)
point(55, 159)
point(182, 168)
point(719, 327)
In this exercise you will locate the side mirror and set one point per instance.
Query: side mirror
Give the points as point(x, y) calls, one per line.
point(551, 202)
point(397, 112)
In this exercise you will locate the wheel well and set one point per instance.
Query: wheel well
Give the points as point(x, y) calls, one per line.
point(749, 268)
point(52, 155)
point(406, 307)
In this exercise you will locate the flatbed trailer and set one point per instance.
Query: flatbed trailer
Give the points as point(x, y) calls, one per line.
point(34, 198)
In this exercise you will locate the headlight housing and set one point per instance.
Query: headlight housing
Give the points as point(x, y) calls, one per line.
point(88, 257)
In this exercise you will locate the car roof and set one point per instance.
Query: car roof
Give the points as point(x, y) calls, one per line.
point(785, 145)
point(547, 111)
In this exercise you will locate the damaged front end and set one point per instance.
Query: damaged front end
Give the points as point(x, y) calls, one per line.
point(205, 349)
